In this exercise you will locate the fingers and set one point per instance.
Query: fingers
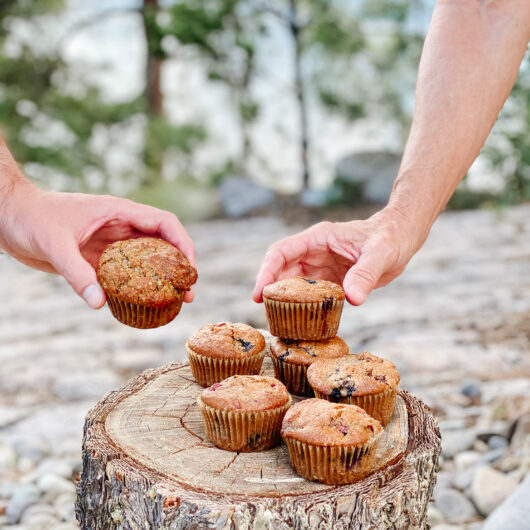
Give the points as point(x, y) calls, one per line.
point(278, 258)
point(67, 260)
point(189, 296)
point(363, 277)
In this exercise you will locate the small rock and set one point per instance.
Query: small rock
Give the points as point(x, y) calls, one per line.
point(466, 459)
point(23, 497)
point(471, 388)
point(497, 442)
point(53, 485)
point(241, 196)
point(520, 441)
point(7, 458)
point(434, 515)
point(64, 504)
point(492, 456)
point(456, 441)
point(445, 526)
point(30, 448)
point(489, 488)
point(455, 506)
point(56, 466)
point(444, 480)
point(41, 521)
point(463, 479)
point(37, 509)
point(509, 514)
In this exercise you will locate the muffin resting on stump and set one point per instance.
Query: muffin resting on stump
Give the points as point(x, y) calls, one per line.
point(218, 351)
point(303, 308)
point(329, 442)
point(244, 412)
point(292, 357)
point(145, 280)
point(361, 379)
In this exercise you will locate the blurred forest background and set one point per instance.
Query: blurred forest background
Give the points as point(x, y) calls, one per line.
point(209, 107)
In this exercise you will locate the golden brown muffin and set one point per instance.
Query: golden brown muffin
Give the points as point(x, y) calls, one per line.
point(220, 350)
point(363, 379)
point(291, 359)
point(145, 280)
point(330, 443)
point(244, 412)
point(303, 308)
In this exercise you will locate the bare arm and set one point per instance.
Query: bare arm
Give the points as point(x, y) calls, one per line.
point(66, 232)
point(469, 64)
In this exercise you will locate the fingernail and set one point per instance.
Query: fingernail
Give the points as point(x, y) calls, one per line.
point(356, 295)
point(93, 296)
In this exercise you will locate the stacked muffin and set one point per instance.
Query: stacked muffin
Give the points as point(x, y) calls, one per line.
point(333, 438)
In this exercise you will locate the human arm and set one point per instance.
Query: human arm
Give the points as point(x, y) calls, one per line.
point(469, 64)
point(65, 233)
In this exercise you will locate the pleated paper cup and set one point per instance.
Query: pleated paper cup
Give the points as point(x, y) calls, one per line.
point(243, 431)
point(141, 316)
point(332, 464)
point(293, 376)
point(380, 406)
point(309, 321)
point(210, 370)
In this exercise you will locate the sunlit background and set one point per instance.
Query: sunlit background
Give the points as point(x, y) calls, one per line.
point(250, 120)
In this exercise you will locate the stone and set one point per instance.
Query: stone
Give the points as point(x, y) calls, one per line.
point(445, 526)
point(37, 509)
point(466, 459)
point(64, 504)
point(444, 480)
point(56, 466)
point(53, 485)
point(463, 479)
point(520, 442)
point(41, 521)
point(241, 196)
point(456, 441)
point(372, 172)
point(74, 387)
point(7, 459)
point(489, 488)
point(434, 515)
point(471, 388)
point(512, 513)
point(497, 442)
point(23, 497)
point(455, 506)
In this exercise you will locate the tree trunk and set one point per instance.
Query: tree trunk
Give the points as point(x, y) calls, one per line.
point(153, 91)
point(147, 464)
point(300, 94)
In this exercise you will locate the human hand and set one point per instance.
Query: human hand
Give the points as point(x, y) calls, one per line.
point(359, 255)
point(66, 233)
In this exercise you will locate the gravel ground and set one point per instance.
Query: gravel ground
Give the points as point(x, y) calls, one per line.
point(456, 324)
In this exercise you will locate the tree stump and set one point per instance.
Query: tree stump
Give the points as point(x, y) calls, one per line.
point(148, 465)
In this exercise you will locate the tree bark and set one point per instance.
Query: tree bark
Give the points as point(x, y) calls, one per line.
point(153, 92)
point(147, 464)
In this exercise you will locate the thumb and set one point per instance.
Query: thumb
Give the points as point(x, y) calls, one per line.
point(363, 277)
point(81, 276)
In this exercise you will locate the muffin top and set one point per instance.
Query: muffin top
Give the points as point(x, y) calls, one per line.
point(227, 340)
point(353, 375)
point(146, 271)
point(303, 290)
point(305, 352)
point(320, 422)
point(246, 392)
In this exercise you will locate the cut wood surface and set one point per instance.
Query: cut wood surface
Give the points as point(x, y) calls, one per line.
point(147, 464)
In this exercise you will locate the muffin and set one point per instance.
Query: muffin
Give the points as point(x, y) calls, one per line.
point(362, 379)
point(303, 308)
point(218, 351)
point(329, 442)
point(244, 412)
point(292, 357)
point(145, 280)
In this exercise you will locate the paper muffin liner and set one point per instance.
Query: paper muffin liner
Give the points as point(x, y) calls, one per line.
point(380, 406)
point(243, 431)
point(308, 321)
point(141, 316)
point(293, 376)
point(332, 464)
point(210, 370)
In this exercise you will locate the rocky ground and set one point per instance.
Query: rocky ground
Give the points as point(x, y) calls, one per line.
point(457, 325)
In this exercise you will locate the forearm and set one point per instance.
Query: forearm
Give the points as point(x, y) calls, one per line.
point(469, 64)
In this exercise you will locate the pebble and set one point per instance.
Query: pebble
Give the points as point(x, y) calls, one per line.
point(7, 458)
point(23, 497)
point(466, 459)
point(53, 485)
point(37, 509)
point(456, 441)
point(56, 466)
point(74, 387)
point(455, 506)
point(497, 442)
point(489, 488)
point(41, 522)
point(471, 388)
point(520, 441)
point(65, 507)
point(434, 515)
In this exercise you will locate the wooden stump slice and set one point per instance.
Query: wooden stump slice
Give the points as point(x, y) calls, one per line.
point(147, 465)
